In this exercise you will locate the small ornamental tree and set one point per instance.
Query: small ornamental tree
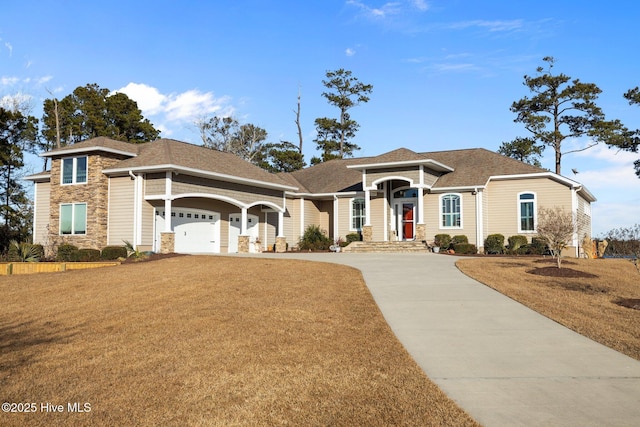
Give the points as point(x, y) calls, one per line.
point(557, 227)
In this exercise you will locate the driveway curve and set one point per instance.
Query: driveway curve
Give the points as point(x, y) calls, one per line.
point(505, 364)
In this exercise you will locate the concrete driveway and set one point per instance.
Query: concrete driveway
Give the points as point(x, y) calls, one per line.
point(505, 364)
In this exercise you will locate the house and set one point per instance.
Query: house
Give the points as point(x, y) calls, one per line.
point(171, 196)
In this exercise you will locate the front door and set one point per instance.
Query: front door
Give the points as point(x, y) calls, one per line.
point(407, 221)
point(405, 224)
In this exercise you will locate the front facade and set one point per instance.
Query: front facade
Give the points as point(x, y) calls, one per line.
point(170, 196)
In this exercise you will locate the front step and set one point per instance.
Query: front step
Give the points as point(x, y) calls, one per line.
point(378, 247)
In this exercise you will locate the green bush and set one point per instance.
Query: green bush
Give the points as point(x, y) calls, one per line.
point(113, 252)
point(461, 238)
point(24, 252)
point(87, 255)
point(314, 239)
point(353, 237)
point(538, 246)
point(66, 252)
point(443, 241)
point(465, 248)
point(494, 244)
point(518, 245)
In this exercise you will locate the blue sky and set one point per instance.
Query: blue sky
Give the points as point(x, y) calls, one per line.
point(444, 72)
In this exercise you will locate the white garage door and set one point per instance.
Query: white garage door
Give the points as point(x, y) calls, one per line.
point(196, 231)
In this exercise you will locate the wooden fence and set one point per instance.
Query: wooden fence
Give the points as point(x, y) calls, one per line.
point(9, 268)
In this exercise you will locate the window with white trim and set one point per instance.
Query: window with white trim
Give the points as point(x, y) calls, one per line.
point(73, 218)
point(357, 214)
point(74, 170)
point(527, 212)
point(451, 210)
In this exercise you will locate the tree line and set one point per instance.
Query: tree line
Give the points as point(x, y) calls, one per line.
point(91, 111)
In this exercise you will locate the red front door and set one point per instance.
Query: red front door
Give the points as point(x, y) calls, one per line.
point(407, 221)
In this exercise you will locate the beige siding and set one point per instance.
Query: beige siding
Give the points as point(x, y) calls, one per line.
point(292, 221)
point(42, 193)
point(146, 241)
point(344, 215)
point(121, 210)
point(183, 184)
point(378, 205)
point(583, 217)
point(411, 173)
point(433, 218)
point(503, 205)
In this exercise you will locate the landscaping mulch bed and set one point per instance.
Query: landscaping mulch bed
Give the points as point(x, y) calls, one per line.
point(560, 272)
point(633, 303)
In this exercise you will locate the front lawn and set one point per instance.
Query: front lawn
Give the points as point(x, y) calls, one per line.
point(208, 341)
point(594, 297)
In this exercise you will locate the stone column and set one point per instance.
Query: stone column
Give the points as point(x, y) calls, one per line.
point(367, 233)
point(167, 242)
point(243, 244)
point(281, 244)
point(421, 232)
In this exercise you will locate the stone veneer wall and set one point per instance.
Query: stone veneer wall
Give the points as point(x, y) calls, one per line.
point(95, 193)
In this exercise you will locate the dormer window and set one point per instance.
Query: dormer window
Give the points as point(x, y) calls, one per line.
point(74, 170)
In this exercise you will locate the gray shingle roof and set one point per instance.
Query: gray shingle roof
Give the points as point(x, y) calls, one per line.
point(471, 167)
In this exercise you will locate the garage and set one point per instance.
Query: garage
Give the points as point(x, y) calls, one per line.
point(196, 231)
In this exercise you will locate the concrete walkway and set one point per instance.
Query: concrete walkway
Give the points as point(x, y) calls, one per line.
point(505, 364)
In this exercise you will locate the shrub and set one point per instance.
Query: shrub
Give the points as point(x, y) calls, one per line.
point(465, 248)
point(23, 252)
point(461, 238)
point(353, 237)
point(314, 239)
point(66, 252)
point(443, 241)
point(518, 244)
point(538, 246)
point(494, 244)
point(113, 252)
point(87, 255)
point(39, 250)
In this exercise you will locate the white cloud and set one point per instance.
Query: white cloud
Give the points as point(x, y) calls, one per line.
point(149, 99)
point(8, 81)
point(387, 9)
point(492, 26)
point(9, 48)
point(349, 52)
point(185, 106)
point(420, 5)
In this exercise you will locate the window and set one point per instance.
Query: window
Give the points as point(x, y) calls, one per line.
point(451, 212)
point(73, 218)
point(357, 214)
point(74, 170)
point(527, 209)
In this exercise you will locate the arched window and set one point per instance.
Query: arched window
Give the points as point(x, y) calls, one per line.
point(527, 212)
point(357, 214)
point(451, 210)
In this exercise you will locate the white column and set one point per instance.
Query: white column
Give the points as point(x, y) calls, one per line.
point(243, 220)
point(336, 223)
point(280, 224)
point(167, 202)
point(367, 207)
point(479, 220)
point(301, 216)
point(385, 217)
point(420, 206)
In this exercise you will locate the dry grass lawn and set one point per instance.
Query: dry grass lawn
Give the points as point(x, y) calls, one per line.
point(209, 341)
point(585, 304)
